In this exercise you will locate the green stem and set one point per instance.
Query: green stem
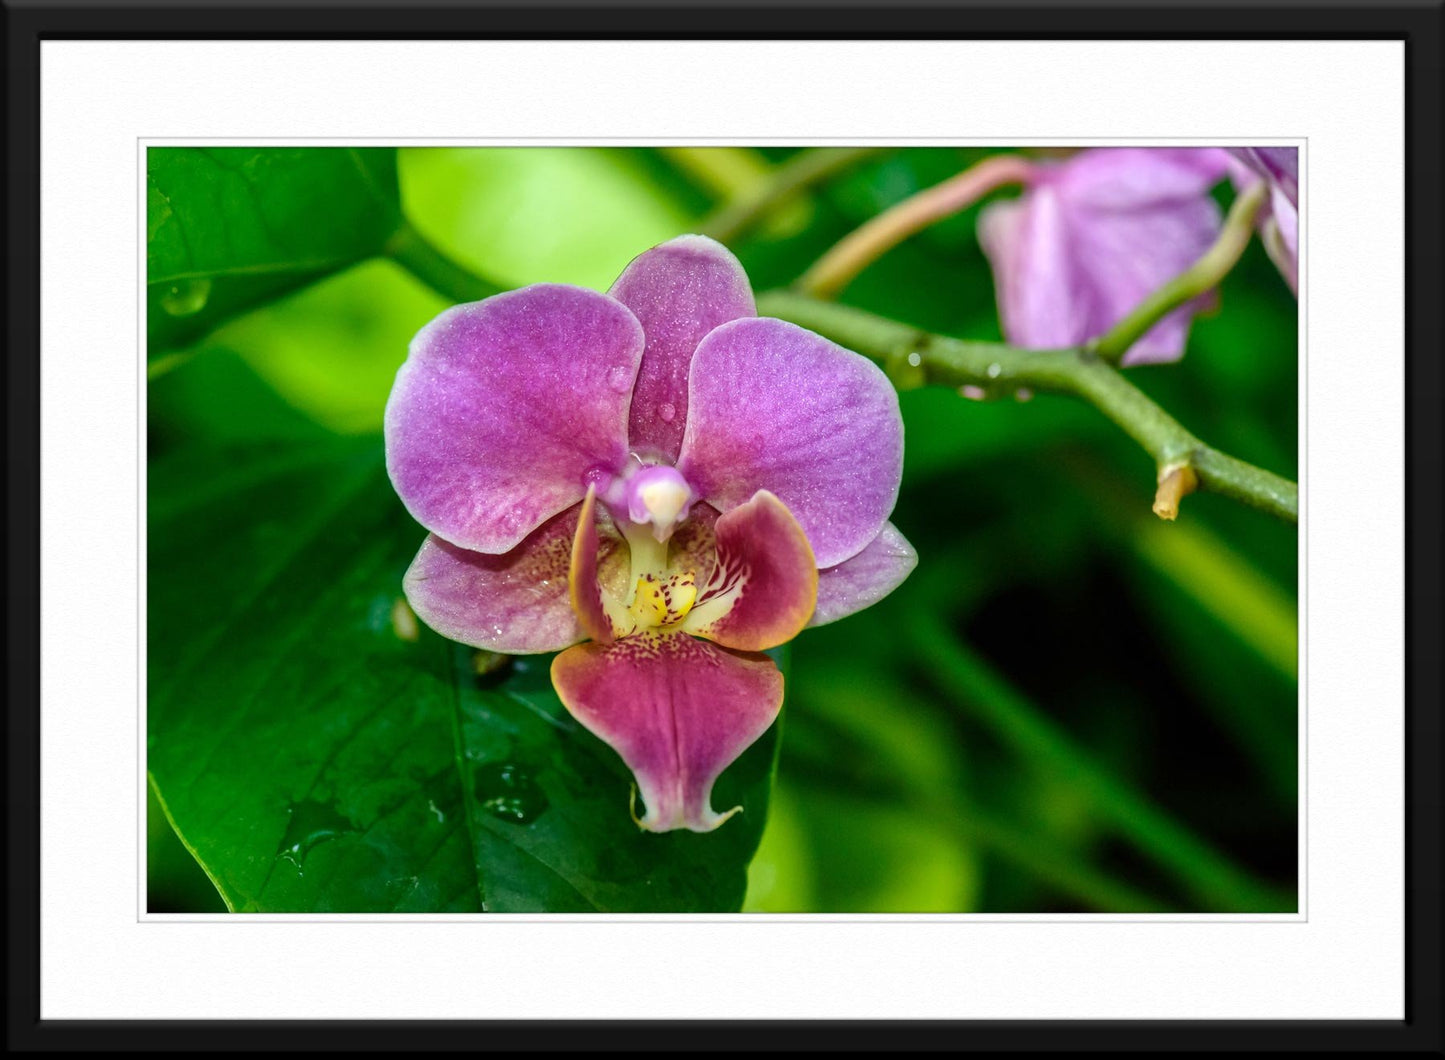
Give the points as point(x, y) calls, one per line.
point(722, 171)
point(915, 357)
point(415, 253)
point(1207, 874)
point(794, 176)
point(1204, 275)
point(860, 248)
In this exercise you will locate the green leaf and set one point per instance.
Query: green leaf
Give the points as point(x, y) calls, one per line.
point(233, 227)
point(319, 751)
point(524, 215)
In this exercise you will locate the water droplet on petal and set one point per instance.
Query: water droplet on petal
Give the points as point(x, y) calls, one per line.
point(619, 379)
point(505, 791)
point(186, 297)
point(666, 411)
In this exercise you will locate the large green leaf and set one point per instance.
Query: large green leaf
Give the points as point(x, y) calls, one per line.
point(232, 227)
point(319, 752)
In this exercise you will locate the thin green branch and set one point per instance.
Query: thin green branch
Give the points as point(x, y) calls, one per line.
point(993, 702)
point(420, 257)
point(794, 176)
point(913, 358)
point(866, 244)
point(1204, 275)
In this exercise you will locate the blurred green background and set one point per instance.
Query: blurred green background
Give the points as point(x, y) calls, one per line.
point(1070, 706)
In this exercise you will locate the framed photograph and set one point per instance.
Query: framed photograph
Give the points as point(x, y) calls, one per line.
point(588, 538)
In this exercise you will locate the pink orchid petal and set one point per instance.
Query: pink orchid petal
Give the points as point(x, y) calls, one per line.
point(680, 291)
point(515, 602)
point(505, 406)
point(1093, 236)
point(866, 578)
point(1279, 227)
point(585, 592)
point(773, 406)
point(679, 711)
point(766, 579)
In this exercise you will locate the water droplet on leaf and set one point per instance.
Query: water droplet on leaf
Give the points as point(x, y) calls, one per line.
point(505, 791)
point(309, 824)
point(186, 297)
point(995, 370)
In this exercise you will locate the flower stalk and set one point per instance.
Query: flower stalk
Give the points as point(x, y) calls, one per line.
point(998, 369)
point(802, 171)
point(856, 251)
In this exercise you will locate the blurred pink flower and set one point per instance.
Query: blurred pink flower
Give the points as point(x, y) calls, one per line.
point(1092, 235)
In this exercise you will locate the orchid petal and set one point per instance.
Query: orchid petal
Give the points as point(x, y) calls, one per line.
point(680, 291)
point(1278, 165)
point(1279, 229)
point(504, 407)
point(773, 406)
point(765, 584)
point(1096, 234)
point(584, 590)
point(1281, 237)
point(866, 578)
point(679, 711)
point(515, 602)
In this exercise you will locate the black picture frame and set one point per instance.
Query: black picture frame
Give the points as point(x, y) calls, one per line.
point(1418, 24)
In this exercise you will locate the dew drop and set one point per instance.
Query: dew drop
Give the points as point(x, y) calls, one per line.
point(666, 411)
point(995, 370)
point(973, 393)
point(310, 823)
point(186, 297)
point(915, 359)
point(505, 791)
point(619, 379)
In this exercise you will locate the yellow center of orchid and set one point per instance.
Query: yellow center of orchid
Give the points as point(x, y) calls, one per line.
point(663, 600)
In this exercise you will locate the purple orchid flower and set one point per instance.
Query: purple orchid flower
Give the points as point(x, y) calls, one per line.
point(1094, 234)
point(658, 470)
point(1279, 226)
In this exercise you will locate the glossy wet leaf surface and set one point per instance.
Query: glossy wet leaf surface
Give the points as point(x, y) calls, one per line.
point(319, 750)
point(232, 227)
